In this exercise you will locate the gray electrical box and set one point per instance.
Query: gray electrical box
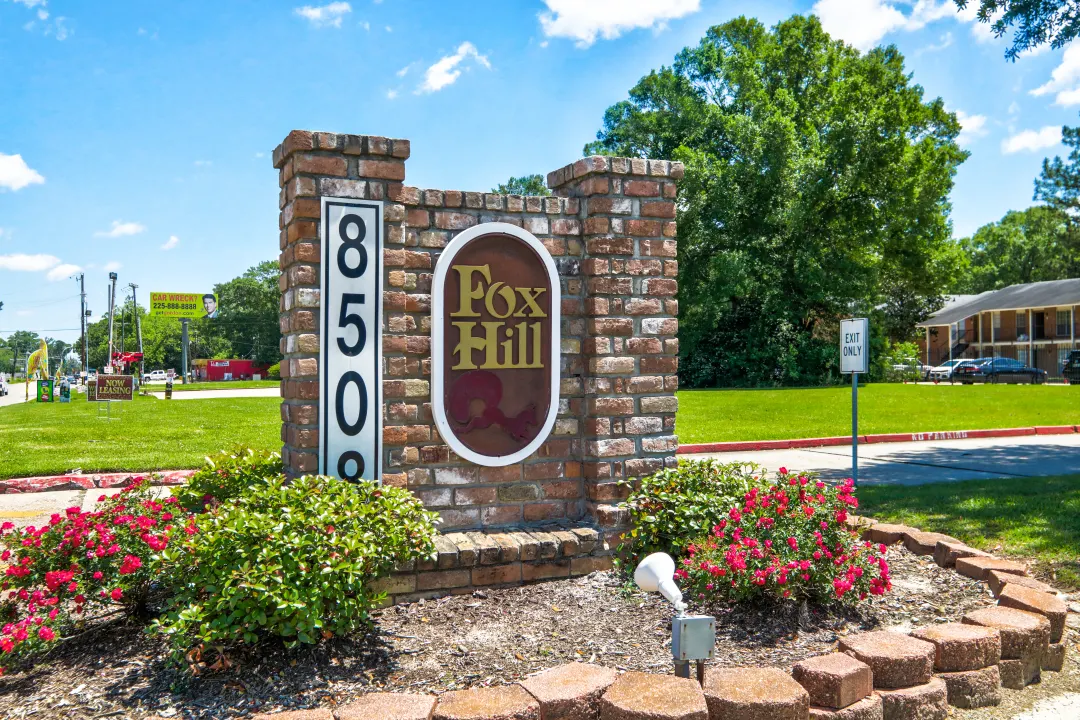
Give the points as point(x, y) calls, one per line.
point(693, 637)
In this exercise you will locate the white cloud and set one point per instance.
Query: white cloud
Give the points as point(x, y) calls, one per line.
point(945, 41)
point(172, 242)
point(120, 229)
point(62, 272)
point(972, 127)
point(584, 21)
point(15, 174)
point(112, 266)
point(28, 263)
point(861, 23)
point(203, 163)
point(59, 29)
point(391, 94)
point(445, 71)
point(329, 15)
point(30, 3)
point(1065, 79)
point(404, 71)
point(366, 25)
point(24, 313)
point(1032, 140)
point(260, 154)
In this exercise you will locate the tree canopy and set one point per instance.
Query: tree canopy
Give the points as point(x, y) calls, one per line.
point(1024, 246)
point(524, 185)
point(1034, 22)
point(816, 187)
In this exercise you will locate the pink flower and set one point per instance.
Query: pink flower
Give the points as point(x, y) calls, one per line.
point(117, 594)
point(130, 564)
point(98, 575)
point(46, 633)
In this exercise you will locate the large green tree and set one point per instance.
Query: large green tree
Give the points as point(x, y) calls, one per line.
point(816, 186)
point(248, 317)
point(1033, 22)
point(1024, 246)
point(524, 185)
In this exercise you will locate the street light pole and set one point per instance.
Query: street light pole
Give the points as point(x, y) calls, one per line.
point(112, 316)
point(138, 329)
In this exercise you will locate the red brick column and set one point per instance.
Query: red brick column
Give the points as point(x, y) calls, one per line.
point(631, 350)
point(311, 165)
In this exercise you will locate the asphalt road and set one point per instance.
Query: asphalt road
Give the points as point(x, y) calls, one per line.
point(915, 463)
point(16, 394)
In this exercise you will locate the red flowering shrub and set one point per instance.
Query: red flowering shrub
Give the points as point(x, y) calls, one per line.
point(786, 541)
point(83, 562)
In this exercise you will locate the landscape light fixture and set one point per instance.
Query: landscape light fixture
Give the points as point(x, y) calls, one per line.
point(693, 637)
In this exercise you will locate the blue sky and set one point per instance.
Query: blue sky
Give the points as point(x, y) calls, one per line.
point(136, 136)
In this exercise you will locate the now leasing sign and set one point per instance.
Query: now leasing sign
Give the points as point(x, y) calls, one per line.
point(854, 345)
point(495, 344)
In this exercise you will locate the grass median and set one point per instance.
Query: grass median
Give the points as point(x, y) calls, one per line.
point(151, 434)
point(214, 385)
point(1037, 518)
point(782, 414)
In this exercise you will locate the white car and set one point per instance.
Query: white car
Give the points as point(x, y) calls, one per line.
point(3, 386)
point(945, 370)
point(154, 376)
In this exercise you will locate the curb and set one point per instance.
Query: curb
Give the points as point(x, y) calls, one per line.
point(754, 445)
point(46, 483)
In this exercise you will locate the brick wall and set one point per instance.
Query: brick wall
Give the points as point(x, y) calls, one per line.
point(611, 231)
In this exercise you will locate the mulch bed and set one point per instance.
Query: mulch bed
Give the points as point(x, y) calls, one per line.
point(485, 638)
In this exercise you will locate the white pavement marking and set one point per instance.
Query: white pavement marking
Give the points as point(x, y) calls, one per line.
point(1062, 707)
point(915, 463)
point(211, 394)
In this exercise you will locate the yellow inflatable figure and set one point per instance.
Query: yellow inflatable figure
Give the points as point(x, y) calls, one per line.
point(37, 364)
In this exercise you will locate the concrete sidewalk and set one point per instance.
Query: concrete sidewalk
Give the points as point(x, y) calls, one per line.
point(915, 463)
point(37, 507)
point(212, 394)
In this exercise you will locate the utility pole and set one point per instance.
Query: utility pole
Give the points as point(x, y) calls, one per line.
point(82, 323)
point(138, 329)
point(112, 315)
point(184, 353)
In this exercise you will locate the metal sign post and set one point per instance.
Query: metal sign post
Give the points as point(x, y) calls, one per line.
point(854, 359)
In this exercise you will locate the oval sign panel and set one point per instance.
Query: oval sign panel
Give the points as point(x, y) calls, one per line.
point(495, 344)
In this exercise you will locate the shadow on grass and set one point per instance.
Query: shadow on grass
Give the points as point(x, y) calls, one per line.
point(1025, 516)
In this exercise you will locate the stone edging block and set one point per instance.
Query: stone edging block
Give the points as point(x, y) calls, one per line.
point(750, 693)
point(897, 660)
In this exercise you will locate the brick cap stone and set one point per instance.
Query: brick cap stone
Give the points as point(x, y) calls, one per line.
point(923, 543)
point(750, 693)
point(973, 688)
point(947, 553)
point(1045, 604)
point(571, 691)
point(928, 701)
point(1023, 634)
point(1017, 674)
point(1054, 657)
point(961, 647)
point(642, 696)
point(997, 580)
point(388, 706)
point(889, 533)
point(869, 708)
point(835, 681)
point(509, 702)
point(315, 714)
point(976, 567)
point(897, 660)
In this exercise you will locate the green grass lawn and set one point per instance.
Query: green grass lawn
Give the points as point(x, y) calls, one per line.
point(719, 415)
point(45, 439)
point(1027, 517)
point(220, 385)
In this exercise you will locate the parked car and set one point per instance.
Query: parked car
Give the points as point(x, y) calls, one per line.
point(154, 376)
point(1071, 370)
point(911, 365)
point(3, 386)
point(946, 370)
point(1000, 370)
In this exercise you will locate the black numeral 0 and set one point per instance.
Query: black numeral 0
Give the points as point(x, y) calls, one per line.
point(343, 461)
point(346, 244)
point(339, 402)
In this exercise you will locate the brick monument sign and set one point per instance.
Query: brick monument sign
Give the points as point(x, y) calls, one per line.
point(554, 324)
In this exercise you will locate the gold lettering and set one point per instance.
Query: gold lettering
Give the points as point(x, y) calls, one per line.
point(468, 292)
point(529, 295)
point(507, 295)
point(466, 344)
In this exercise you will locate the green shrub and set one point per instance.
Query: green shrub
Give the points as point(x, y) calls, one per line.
point(293, 560)
point(676, 505)
point(274, 372)
point(226, 476)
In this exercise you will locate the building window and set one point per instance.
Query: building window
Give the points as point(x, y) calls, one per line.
point(1062, 323)
point(1063, 357)
point(1022, 355)
point(997, 320)
point(1021, 326)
